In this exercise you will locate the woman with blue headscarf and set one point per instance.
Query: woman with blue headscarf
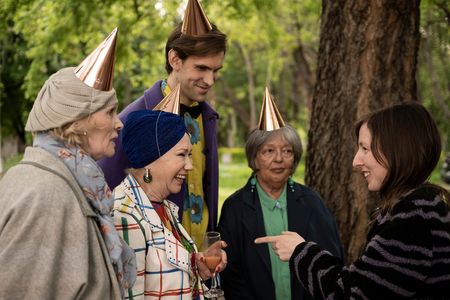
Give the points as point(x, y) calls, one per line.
point(158, 148)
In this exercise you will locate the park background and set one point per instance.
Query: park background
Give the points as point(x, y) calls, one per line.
point(326, 62)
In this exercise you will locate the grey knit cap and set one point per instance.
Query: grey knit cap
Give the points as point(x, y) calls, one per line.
point(63, 99)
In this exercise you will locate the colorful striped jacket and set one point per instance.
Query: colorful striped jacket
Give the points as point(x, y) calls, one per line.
point(407, 256)
point(163, 264)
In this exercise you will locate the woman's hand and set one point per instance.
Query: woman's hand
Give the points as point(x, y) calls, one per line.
point(284, 244)
point(200, 261)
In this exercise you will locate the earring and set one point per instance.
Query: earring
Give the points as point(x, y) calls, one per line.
point(147, 176)
point(291, 183)
point(252, 184)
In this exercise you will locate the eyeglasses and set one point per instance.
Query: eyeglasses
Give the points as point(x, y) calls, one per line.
point(270, 152)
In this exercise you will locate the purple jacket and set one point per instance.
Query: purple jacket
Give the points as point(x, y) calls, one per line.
point(114, 167)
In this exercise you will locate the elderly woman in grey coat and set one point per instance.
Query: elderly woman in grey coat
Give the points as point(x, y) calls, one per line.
point(57, 238)
point(270, 203)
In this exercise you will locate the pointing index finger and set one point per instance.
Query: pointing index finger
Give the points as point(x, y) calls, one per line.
point(266, 239)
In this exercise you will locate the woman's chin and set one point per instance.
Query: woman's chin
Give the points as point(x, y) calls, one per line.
point(111, 152)
point(175, 190)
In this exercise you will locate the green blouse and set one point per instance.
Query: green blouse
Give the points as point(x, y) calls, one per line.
point(275, 221)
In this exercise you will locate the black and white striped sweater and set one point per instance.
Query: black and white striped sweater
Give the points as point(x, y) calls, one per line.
point(407, 256)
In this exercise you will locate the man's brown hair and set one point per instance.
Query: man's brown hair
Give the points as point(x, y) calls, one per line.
point(210, 43)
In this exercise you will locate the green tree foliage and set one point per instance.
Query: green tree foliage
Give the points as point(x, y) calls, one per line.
point(434, 63)
point(40, 37)
point(264, 39)
point(271, 42)
point(14, 66)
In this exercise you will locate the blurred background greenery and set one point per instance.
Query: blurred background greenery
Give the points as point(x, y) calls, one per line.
point(271, 43)
point(234, 174)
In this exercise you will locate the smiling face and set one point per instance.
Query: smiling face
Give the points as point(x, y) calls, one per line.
point(364, 160)
point(274, 161)
point(196, 75)
point(102, 128)
point(170, 170)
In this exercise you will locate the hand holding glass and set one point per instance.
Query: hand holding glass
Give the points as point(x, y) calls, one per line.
point(212, 252)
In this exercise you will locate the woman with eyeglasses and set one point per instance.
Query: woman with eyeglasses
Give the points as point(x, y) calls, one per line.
point(270, 203)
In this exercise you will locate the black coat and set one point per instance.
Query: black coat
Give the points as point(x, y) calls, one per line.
point(248, 273)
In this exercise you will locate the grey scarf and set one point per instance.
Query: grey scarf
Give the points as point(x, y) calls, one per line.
point(92, 182)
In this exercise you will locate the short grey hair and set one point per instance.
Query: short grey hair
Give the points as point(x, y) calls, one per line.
point(258, 138)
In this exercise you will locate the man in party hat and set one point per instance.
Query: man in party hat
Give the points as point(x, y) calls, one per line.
point(57, 236)
point(195, 52)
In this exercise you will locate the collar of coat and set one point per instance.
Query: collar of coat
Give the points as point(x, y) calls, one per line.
point(128, 195)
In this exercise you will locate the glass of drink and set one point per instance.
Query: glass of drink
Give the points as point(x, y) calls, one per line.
point(213, 256)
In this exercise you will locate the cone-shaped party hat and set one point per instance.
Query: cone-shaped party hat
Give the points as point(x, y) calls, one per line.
point(171, 103)
point(97, 70)
point(195, 21)
point(270, 117)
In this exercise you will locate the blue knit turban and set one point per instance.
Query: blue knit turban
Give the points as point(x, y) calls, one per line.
point(147, 135)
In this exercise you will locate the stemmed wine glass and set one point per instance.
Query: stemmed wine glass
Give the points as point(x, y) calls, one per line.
point(213, 256)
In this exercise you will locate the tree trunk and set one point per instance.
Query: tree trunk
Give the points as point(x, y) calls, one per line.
point(251, 85)
point(127, 90)
point(231, 130)
point(230, 98)
point(367, 60)
point(303, 76)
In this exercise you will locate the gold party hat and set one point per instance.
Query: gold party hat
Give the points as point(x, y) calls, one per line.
point(171, 103)
point(97, 70)
point(270, 117)
point(195, 21)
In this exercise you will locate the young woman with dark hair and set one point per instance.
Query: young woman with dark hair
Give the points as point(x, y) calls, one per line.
point(407, 254)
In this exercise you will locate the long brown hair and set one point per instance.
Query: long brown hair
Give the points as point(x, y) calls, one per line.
point(406, 141)
point(213, 42)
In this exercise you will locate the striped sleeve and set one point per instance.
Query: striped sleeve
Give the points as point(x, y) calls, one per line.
point(408, 256)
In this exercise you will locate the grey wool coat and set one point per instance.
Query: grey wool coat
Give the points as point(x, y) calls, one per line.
point(50, 243)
